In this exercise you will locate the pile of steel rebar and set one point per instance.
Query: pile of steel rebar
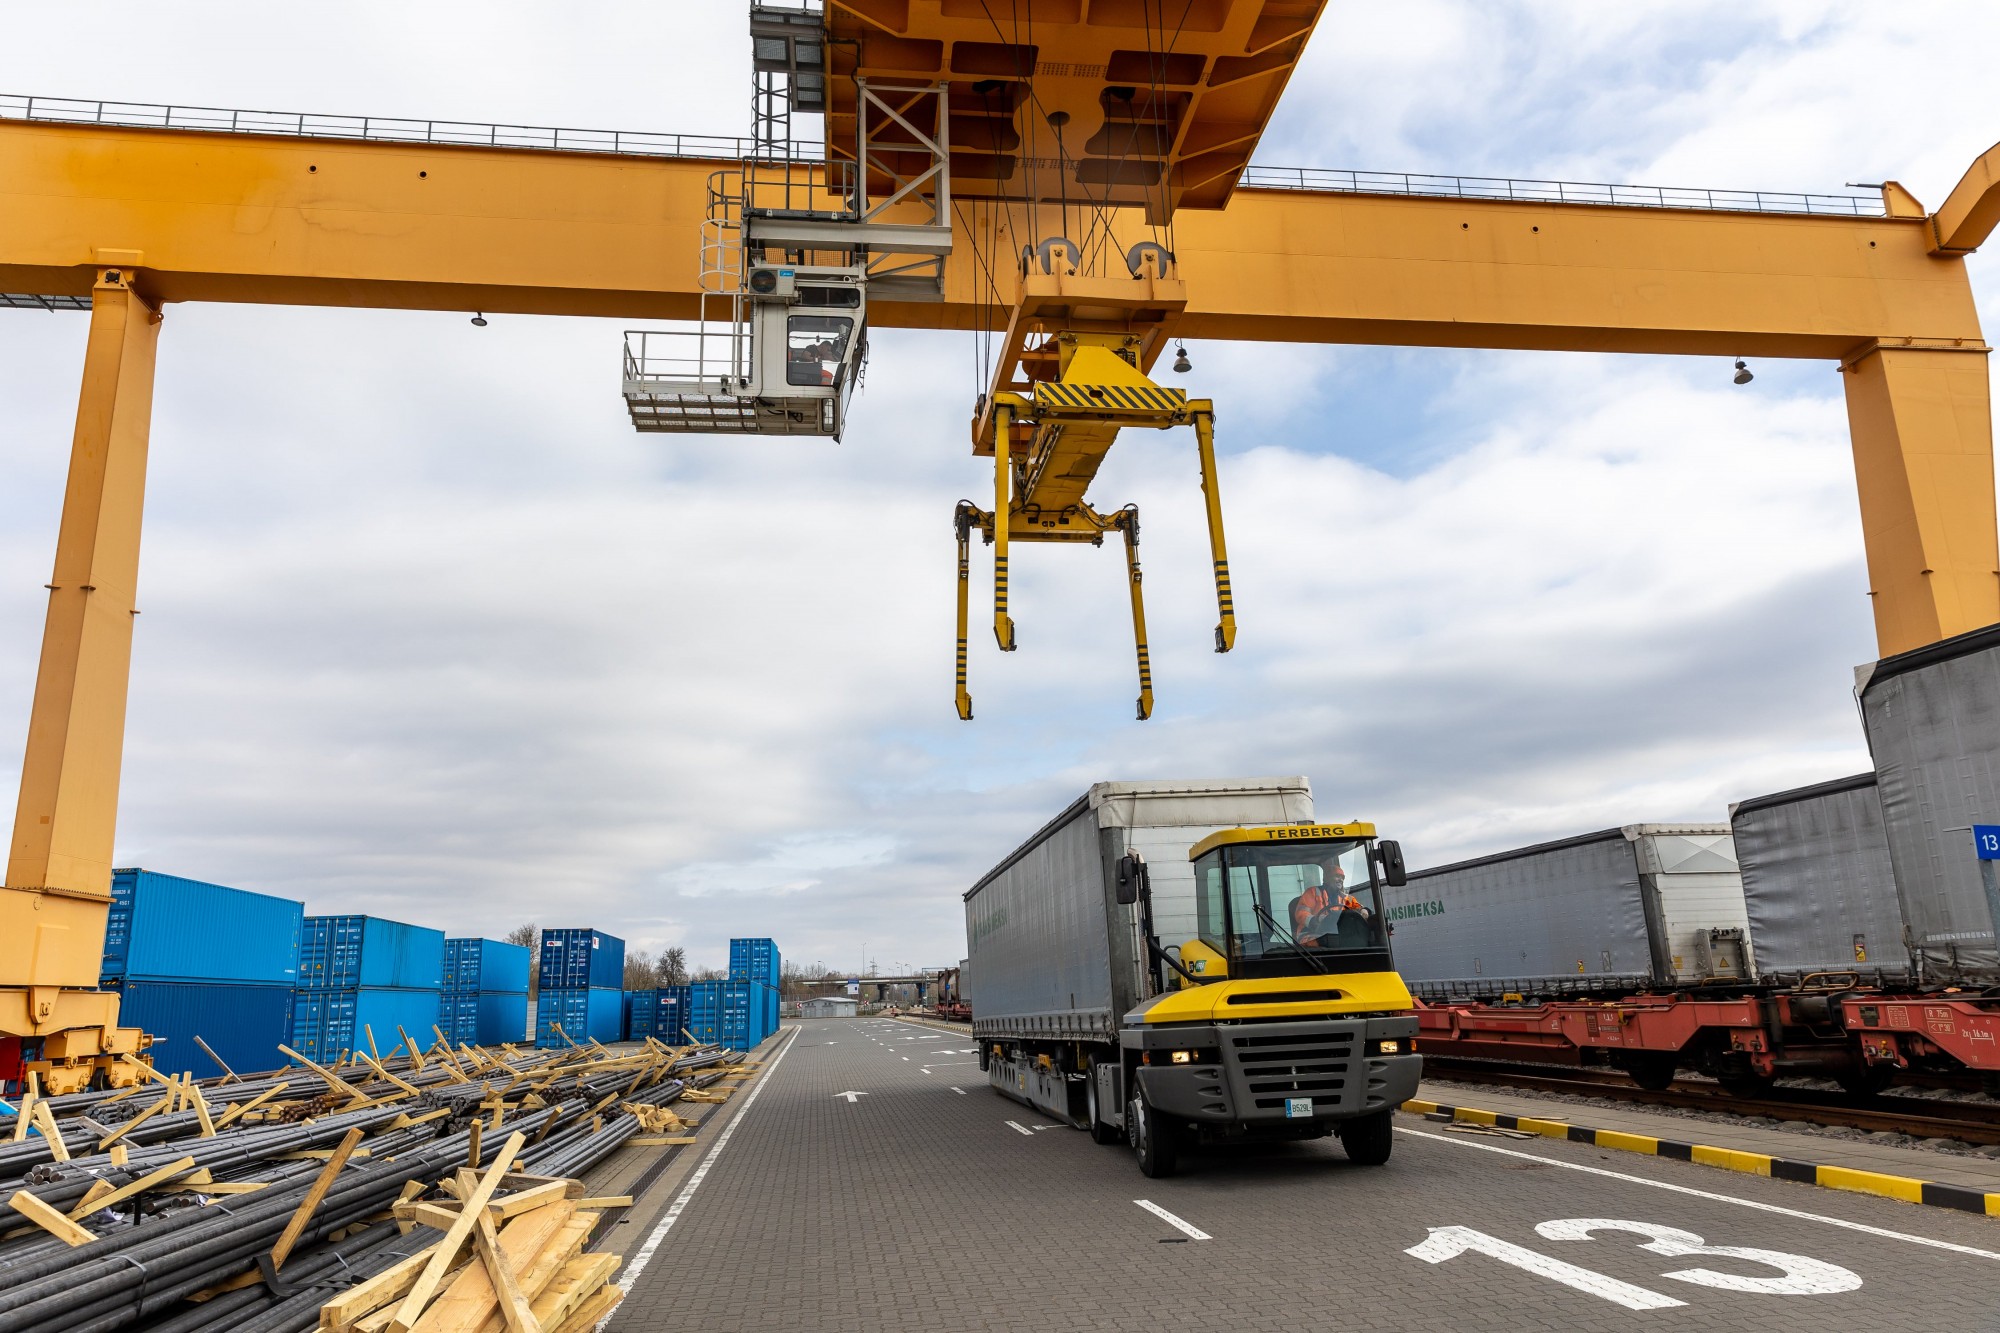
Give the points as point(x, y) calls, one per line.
point(266, 1195)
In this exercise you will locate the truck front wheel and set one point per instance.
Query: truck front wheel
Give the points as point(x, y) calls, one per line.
point(1152, 1137)
point(1368, 1138)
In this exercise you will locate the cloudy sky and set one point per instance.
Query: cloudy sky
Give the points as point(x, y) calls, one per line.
point(431, 633)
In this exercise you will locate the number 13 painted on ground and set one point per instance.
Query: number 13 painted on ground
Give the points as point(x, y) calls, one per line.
point(1798, 1276)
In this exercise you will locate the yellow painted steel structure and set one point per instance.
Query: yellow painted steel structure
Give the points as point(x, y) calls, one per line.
point(137, 219)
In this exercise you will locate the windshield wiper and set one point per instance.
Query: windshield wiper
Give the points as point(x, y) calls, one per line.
point(1298, 948)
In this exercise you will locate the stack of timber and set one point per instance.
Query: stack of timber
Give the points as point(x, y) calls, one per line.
point(437, 1190)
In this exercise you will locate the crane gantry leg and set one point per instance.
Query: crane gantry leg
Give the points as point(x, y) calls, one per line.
point(1211, 493)
point(54, 907)
point(1127, 521)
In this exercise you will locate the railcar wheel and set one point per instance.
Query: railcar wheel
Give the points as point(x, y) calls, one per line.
point(1369, 1138)
point(1652, 1075)
point(1867, 1080)
point(1745, 1085)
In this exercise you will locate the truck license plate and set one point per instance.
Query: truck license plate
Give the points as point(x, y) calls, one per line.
point(1298, 1108)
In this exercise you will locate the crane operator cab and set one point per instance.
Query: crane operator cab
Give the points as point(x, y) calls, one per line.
point(784, 361)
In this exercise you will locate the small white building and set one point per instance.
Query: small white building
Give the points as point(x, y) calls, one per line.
point(831, 1006)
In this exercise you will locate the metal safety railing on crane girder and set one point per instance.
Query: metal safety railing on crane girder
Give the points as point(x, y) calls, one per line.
point(145, 115)
point(1321, 180)
point(388, 129)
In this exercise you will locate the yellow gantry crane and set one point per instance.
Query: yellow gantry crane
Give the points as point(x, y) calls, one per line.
point(1068, 178)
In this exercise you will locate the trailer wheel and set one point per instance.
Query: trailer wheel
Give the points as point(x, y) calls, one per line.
point(1152, 1138)
point(1369, 1138)
point(1100, 1132)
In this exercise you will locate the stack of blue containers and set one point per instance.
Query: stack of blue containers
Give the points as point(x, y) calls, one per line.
point(582, 975)
point(485, 998)
point(199, 960)
point(656, 1013)
point(742, 1011)
point(361, 977)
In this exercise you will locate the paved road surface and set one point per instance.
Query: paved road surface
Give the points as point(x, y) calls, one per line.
point(929, 1202)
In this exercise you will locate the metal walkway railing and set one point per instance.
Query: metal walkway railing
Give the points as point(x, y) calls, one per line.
point(1322, 180)
point(732, 148)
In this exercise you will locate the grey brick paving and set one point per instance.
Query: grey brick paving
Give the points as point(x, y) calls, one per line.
point(920, 1208)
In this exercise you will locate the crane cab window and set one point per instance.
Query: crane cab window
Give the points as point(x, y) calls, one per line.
point(1291, 908)
point(815, 347)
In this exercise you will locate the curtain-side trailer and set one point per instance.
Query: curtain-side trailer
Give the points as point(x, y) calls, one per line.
point(1272, 1012)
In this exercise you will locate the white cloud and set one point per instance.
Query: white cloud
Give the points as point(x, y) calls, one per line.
point(430, 632)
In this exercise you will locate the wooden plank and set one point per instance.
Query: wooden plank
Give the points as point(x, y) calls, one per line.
point(235, 1111)
point(375, 1056)
point(342, 1310)
point(201, 1113)
point(606, 1201)
point(168, 1172)
point(412, 1308)
point(410, 1088)
point(135, 1122)
point(235, 1186)
point(333, 1080)
point(51, 1131)
point(580, 1279)
point(592, 1311)
point(416, 1056)
point(515, 1204)
point(514, 1309)
point(433, 1215)
point(472, 1300)
point(310, 1204)
point(662, 1141)
point(49, 1220)
point(472, 1145)
point(120, 1154)
point(98, 1189)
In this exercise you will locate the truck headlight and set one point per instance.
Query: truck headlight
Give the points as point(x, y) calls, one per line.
point(1183, 1057)
point(1387, 1046)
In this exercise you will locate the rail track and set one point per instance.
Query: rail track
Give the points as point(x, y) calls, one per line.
point(1968, 1122)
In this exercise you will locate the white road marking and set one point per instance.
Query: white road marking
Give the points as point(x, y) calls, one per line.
point(1842, 1223)
point(1194, 1232)
point(1020, 1128)
point(1450, 1242)
point(959, 1091)
point(637, 1263)
point(852, 1097)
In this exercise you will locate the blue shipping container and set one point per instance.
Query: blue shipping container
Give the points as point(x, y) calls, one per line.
point(749, 1013)
point(704, 1021)
point(670, 1014)
point(244, 1024)
point(641, 1013)
point(485, 965)
point(586, 1015)
point(328, 1022)
point(754, 960)
point(485, 1018)
point(580, 958)
point(350, 952)
point(163, 927)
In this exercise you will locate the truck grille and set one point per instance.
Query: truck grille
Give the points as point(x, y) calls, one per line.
point(1276, 1068)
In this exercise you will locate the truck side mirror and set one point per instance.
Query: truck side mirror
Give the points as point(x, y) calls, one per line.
point(1132, 882)
point(1390, 853)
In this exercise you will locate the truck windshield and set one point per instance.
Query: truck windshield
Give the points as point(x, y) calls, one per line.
point(1288, 901)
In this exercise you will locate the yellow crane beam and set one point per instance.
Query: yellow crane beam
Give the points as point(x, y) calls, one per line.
point(289, 221)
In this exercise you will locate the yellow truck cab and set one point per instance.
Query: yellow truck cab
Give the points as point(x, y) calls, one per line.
point(1274, 1012)
point(1285, 1019)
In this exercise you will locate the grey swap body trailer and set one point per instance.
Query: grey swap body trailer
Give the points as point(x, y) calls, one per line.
point(1647, 905)
point(1933, 722)
point(1817, 885)
point(1080, 1011)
